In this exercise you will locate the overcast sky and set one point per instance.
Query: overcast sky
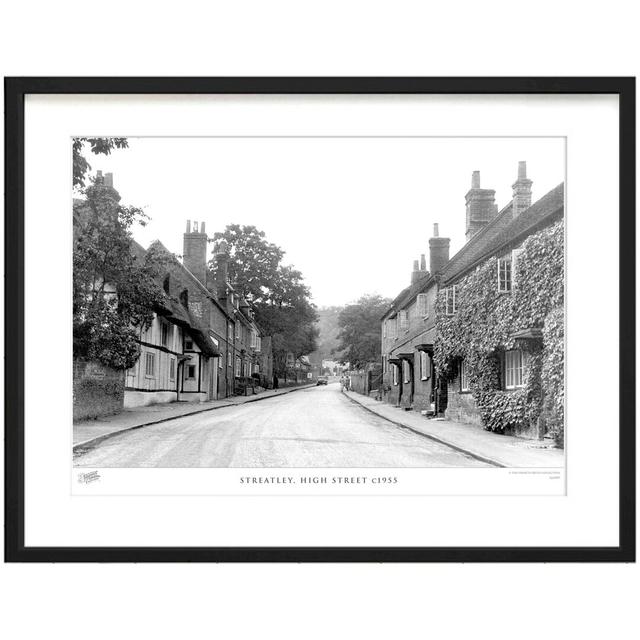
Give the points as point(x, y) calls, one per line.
point(351, 213)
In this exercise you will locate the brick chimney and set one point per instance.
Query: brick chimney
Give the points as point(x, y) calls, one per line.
point(221, 255)
point(194, 253)
point(438, 251)
point(106, 179)
point(481, 206)
point(521, 191)
point(416, 274)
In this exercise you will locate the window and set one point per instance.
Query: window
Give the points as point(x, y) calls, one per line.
point(516, 368)
point(238, 369)
point(229, 359)
point(504, 275)
point(238, 331)
point(150, 365)
point(230, 332)
point(164, 334)
point(254, 339)
point(392, 328)
point(406, 371)
point(256, 368)
point(172, 369)
point(395, 374)
point(464, 376)
point(424, 366)
point(191, 372)
point(403, 320)
point(188, 344)
point(451, 294)
point(515, 255)
point(423, 309)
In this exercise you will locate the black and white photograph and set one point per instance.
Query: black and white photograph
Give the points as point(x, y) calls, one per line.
point(315, 320)
point(318, 302)
point(320, 320)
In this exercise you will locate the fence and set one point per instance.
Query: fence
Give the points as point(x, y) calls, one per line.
point(365, 382)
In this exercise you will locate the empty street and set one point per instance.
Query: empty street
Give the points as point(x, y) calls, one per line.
point(312, 427)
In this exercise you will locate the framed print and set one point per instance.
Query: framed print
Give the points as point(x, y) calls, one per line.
point(320, 319)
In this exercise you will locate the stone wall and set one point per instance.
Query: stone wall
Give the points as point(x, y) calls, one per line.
point(97, 390)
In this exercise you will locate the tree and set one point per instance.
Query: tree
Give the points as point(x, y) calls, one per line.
point(328, 333)
point(102, 146)
point(359, 330)
point(114, 290)
point(277, 291)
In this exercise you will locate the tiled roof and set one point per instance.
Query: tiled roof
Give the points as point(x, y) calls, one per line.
point(503, 230)
point(409, 293)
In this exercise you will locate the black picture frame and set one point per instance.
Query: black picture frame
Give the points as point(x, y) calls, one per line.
point(15, 91)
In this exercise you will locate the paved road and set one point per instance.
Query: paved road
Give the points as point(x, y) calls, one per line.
point(315, 427)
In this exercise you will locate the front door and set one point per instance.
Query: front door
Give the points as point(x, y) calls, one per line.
point(213, 379)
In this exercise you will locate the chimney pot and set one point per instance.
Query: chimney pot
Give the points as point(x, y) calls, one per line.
point(108, 180)
point(188, 226)
point(475, 180)
point(423, 262)
point(435, 229)
point(522, 169)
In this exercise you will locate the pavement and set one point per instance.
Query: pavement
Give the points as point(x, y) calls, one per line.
point(312, 427)
point(86, 431)
point(499, 450)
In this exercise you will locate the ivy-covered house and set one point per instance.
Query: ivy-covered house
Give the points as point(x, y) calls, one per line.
point(408, 336)
point(500, 314)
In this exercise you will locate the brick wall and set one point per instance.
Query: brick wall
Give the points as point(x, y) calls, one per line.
point(97, 390)
point(422, 394)
point(461, 407)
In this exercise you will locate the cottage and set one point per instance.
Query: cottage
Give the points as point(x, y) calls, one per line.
point(499, 314)
point(244, 335)
point(203, 343)
point(408, 335)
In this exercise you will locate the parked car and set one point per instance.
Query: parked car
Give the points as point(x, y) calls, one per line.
point(322, 380)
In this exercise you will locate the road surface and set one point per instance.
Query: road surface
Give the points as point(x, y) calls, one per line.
point(314, 427)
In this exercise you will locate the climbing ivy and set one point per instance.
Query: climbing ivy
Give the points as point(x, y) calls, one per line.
point(481, 330)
